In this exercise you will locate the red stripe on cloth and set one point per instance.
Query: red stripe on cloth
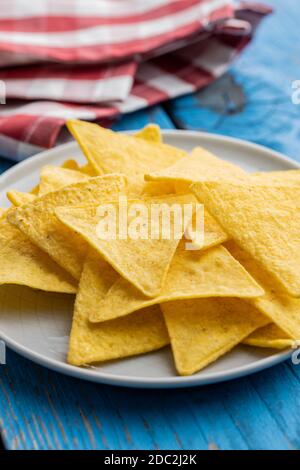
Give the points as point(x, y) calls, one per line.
point(101, 53)
point(105, 52)
point(73, 72)
point(42, 130)
point(56, 23)
point(174, 64)
point(39, 122)
point(38, 130)
point(150, 93)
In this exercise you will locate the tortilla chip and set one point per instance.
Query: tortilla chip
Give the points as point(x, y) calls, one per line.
point(270, 336)
point(110, 152)
point(213, 234)
point(23, 263)
point(201, 165)
point(55, 177)
point(203, 330)
point(287, 176)
point(143, 262)
point(88, 170)
point(151, 132)
point(70, 164)
point(159, 188)
point(2, 211)
point(18, 198)
point(35, 190)
point(38, 221)
point(134, 334)
point(212, 237)
point(192, 275)
point(282, 309)
point(262, 219)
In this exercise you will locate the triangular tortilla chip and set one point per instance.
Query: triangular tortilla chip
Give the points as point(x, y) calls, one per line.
point(143, 262)
point(158, 188)
point(23, 263)
point(264, 220)
point(70, 164)
point(270, 336)
point(212, 237)
point(286, 177)
point(192, 275)
point(282, 309)
point(88, 170)
point(203, 330)
point(18, 198)
point(38, 220)
point(150, 132)
point(110, 152)
point(54, 177)
point(134, 334)
point(2, 211)
point(201, 165)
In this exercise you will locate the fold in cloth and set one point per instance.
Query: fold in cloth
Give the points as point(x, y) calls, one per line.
point(91, 59)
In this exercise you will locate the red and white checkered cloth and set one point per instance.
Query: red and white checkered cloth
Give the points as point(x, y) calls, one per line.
point(97, 59)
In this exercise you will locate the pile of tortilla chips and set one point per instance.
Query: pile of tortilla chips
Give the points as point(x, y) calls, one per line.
point(136, 295)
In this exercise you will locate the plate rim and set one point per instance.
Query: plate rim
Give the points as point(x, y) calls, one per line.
point(148, 382)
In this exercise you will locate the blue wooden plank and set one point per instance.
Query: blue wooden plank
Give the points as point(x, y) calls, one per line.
point(254, 101)
point(281, 394)
point(139, 119)
point(42, 409)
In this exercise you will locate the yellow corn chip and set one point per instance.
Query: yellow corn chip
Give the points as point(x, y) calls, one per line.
point(264, 220)
point(201, 165)
point(151, 132)
point(88, 170)
point(212, 236)
point(203, 330)
point(192, 275)
point(282, 309)
point(52, 179)
point(35, 190)
point(143, 262)
point(288, 176)
point(110, 152)
point(157, 188)
point(134, 334)
point(70, 165)
point(38, 221)
point(2, 211)
point(213, 233)
point(270, 336)
point(23, 263)
point(55, 177)
point(17, 198)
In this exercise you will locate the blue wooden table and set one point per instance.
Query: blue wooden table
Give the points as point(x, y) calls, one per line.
point(40, 409)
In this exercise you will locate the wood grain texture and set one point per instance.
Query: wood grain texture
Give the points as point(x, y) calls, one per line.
point(254, 102)
point(40, 409)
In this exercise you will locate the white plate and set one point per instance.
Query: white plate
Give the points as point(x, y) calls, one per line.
point(37, 325)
